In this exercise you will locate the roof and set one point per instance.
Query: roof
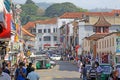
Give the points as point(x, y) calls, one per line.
point(117, 33)
point(29, 25)
point(116, 11)
point(25, 32)
point(96, 36)
point(81, 14)
point(47, 21)
point(102, 22)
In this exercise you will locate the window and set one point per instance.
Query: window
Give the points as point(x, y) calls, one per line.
point(55, 38)
point(44, 30)
point(105, 29)
point(47, 38)
point(112, 41)
point(39, 30)
point(100, 45)
point(49, 31)
point(94, 29)
point(54, 30)
point(39, 39)
point(99, 29)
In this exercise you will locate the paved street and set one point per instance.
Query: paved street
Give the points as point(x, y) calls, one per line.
point(62, 71)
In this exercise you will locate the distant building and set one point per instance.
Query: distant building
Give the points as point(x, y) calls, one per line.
point(86, 21)
point(47, 34)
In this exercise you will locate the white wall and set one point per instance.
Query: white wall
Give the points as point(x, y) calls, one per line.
point(41, 35)
point(84, 31)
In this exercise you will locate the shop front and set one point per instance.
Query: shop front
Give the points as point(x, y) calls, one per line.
point(117, 59)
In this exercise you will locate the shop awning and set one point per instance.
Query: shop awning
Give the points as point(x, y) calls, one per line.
point(47, 45)
point(28, 33)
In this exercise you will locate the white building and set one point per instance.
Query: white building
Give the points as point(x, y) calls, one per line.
point(86, 20)
point(47, 34)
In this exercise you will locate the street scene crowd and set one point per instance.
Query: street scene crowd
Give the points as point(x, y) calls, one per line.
point(95, 72)
point(18, 72)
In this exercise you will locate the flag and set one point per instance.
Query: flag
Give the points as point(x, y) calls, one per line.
point(7, 5)
point(6, 33)
point(16, 38)
point(13, 26)
point(17, 28)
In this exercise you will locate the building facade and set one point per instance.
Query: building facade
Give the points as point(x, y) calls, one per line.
point(47, 34)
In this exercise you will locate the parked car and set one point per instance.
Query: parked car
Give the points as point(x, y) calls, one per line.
point(55, 57)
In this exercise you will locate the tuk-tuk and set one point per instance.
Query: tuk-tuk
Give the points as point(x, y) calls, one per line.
point(107, 69)
point(42, 63)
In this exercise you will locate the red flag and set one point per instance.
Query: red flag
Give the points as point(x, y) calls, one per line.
point(7, 28)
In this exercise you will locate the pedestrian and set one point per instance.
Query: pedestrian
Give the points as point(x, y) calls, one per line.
point(93, 72)
point(5, 68)
point(29, 68)
point(3, 75)
point(113, 75)
point(20, 73)
point(80, 68)
point(33, 75)
point(99, 70)
point(14, 68)
point(118, 69)
point(84, 72)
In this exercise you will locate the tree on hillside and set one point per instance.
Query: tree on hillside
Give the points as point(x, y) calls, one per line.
point(29, 2)
point(30, 12)
point(60, 8)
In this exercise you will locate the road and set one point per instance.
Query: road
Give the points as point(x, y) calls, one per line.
point(62, 71)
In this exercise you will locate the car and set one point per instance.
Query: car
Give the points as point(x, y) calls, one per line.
point(55, 57)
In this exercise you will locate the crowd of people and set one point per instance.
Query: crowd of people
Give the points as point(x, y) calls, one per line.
point(95, 72)
point(18, 72)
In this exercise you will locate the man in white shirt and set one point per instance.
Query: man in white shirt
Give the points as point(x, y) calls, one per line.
point(118, 69)
point(3, 75)
point(33, 75)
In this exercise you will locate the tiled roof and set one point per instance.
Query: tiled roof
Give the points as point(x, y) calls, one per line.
point(116, 11)
point(102, 22)
point(29, 25)
point(96, 36)
point(80, 14)
point(25, 32)
point(47, 21)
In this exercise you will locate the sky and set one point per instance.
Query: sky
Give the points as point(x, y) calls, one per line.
point(86, 4)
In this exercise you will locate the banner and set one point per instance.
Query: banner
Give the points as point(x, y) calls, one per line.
point(118, 45)
point(6, 30)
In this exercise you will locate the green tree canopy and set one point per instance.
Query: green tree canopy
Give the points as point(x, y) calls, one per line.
point(60, 8)
point(30, 12)
point(29, 2)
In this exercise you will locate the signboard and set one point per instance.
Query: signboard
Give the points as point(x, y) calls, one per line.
point(118, 45)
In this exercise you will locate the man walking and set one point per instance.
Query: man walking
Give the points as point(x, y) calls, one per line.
point(84, 72)
point(33, 75)
point(20, 73)
point(3, 75)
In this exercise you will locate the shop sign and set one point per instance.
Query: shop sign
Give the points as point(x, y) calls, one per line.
point(118, 45)
point(16, 46)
